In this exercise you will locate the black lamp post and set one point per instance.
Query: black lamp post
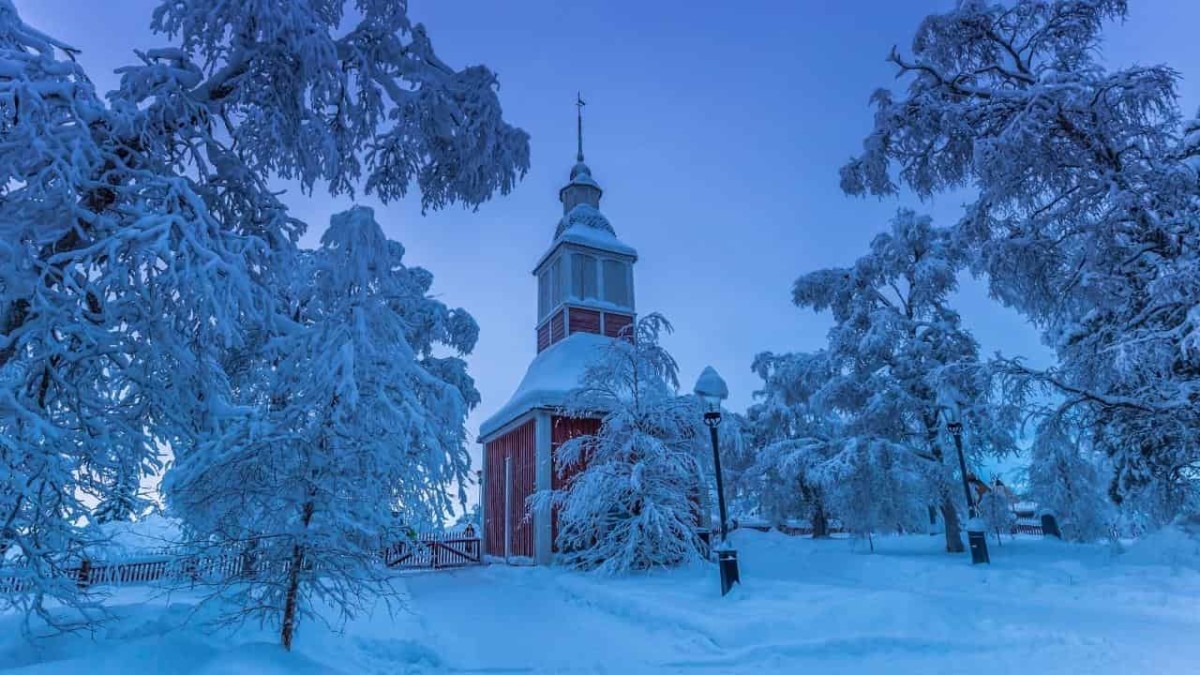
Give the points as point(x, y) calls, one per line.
point(976, 536)
point(711, 389)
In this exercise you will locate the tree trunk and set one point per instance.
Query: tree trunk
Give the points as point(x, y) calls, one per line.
point(954, 543)
point(820, 521)
point(288, 627)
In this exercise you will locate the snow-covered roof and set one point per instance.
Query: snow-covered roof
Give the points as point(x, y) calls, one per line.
point(550, 377)
point(584, 225)
point(594, 238)
point(584, 216)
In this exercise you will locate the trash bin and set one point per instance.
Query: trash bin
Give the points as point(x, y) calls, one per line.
point(977, 541)
point(727, 559)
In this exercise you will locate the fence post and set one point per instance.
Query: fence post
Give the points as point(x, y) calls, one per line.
point(85, 571)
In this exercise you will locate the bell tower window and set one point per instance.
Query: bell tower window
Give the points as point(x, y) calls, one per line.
point(616, 283)
point(550, 288)
point(583, 276)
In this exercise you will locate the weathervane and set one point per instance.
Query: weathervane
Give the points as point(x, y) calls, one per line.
point(579, 103)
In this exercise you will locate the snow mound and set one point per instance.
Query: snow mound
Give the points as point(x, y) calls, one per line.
point(146, 535)
point(1176, 545)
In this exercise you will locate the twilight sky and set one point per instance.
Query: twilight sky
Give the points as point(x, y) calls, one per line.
point(716, 132)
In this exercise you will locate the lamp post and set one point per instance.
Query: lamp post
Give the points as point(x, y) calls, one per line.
point(976, 535)
point(711, 389)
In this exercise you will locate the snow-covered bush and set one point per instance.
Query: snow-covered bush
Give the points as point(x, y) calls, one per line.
point(635, 503)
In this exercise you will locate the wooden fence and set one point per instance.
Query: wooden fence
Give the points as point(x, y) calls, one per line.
point(422, 552)
point(806, 531)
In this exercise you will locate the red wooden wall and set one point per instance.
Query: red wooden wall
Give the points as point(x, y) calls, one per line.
point(614, 323)
point(520, 445)
point(564, 429)
point(584, 321)
point(557, 327)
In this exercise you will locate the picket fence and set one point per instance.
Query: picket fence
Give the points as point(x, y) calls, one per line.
point(420, 552)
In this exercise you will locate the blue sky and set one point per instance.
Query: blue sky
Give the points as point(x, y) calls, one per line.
point(716, 130)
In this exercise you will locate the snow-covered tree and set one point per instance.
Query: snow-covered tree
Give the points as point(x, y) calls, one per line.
point(1067, 479)
point(1083, 215)
point(870, 484)
point(635, 504)
point(140, 238)
point(996, 510)
point(112, 268)
point(364, 422)
point(793, 435)
point(899, 358)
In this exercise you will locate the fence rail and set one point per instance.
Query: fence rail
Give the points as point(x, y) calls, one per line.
point(806, 531)
point(430, 552)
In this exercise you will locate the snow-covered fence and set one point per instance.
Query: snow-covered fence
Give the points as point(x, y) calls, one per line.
point(433, 552)
point(1022, 527)
point(423, 551)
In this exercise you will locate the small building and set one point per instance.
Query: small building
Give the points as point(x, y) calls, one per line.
point(585, 298)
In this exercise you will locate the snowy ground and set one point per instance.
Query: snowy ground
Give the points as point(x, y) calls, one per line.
point(805, 606)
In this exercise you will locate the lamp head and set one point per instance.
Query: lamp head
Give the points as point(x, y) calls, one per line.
point(711, 389)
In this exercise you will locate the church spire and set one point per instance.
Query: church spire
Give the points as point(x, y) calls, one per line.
point(579, 103)
point(582, 188)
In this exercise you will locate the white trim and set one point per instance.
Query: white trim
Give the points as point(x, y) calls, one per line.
point(507, 427)
point(628, 255)
point(543, 531)
point(507, 508)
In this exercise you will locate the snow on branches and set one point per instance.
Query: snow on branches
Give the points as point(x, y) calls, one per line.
point(1085, 216)
point(362, 431)
point(636, 503)
point(149, 273)
point(898, 360)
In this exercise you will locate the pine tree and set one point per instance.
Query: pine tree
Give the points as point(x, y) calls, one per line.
point(634, 505)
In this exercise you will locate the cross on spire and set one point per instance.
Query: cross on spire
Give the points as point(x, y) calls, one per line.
point(579, 103)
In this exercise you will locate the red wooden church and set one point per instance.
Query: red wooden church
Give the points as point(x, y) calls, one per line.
point(585, 298)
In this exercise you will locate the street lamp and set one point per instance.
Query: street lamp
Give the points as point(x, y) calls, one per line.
point(711, 389)
point(976, 534)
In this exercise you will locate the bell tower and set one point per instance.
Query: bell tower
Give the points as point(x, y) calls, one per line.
point(585, 278)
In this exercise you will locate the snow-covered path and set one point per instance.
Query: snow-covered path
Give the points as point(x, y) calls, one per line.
point(805, 606)
point(1041, 607)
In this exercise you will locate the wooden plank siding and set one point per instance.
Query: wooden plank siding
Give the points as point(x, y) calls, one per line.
point(519, 447)
point(615, 323)
point(543, 337)
point(584, 321)
point(557, 327)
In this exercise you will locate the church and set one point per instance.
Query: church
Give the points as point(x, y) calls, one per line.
point(585, 298)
